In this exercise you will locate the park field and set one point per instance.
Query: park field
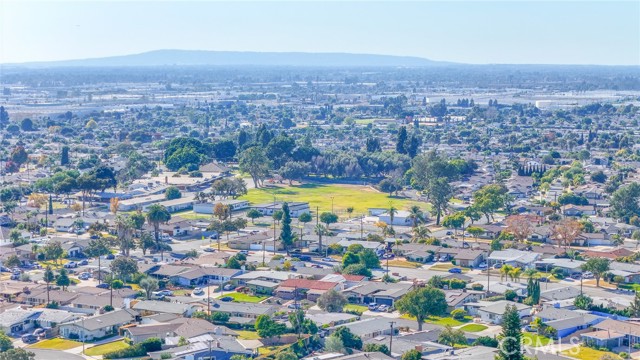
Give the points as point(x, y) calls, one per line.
point(361, 198)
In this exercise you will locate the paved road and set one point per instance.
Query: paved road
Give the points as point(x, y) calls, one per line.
point(55, 354)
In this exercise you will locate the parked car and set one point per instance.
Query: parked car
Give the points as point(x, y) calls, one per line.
point(304, 258)
point(166, 292)
point(214, 236)
point(328, 259)
point(482, 265)
point(373, 306)
point(443, 258)
point(245, 252)
point(449, 232)
point(228, 287)
point(383, 308)
point(198, 291)
point(587, 275)
point(226, 299)
point(294, 306)
point(103, 286)
point(388, 256)
point(84, 262)
point(208, 249)
point(544, 279)
point(29, 338)
point(71, 265)
point(455, 270)
point(84, 276)
point(497, 266)
point(576, 276)
point(110, 257)
point(15, 277)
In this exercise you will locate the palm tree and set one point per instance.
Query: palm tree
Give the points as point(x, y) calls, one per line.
point(505, 270)
point(515, 273)
point(531, 273)
point(320, 230)
point(392, 214)
point(156, 215)
point(420, 233)
point(416, 215)
point(125, 228)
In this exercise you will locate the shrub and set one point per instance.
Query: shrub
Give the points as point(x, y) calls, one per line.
point(458, 314)
point(457, 284)
point(510, 295)
point(138, 350)
point(477, 287)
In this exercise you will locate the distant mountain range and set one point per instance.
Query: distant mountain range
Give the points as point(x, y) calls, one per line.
point(220, 58)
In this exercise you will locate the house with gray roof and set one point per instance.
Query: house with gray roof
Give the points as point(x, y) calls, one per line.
point(98, 326)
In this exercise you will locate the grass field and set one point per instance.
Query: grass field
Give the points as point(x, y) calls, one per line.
point(56, 344)
point(191, 215)
point(585, 353)
point(400, 263)
point(535, 340)
point(247, 335)
point(356, 308)
point(361, 198)
point(239, 297)
point(106, 348)
point(446, 267)
point(473, 328)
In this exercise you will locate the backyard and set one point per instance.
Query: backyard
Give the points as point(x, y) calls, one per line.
point(586, 353)
point(361, 198)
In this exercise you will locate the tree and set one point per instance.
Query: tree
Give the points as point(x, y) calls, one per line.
point(19, 155)
point(125, 228)
point(16, 354)
point(294, 170)
point(123, 267)
point(98, 248)
point(583, 302)
point(304, 218)
point(376, 348)
point(489, 199)
point(172, 192)
point(333, 344)
point(64, 156)
point(149, 285)
point(12, 261)
point(519, 226)
point(254, 162)
point(598, 267)
point(565, 232)
point(221, 211)
point(332, 301)
point(253, 214)
point(266, 327)
point(439, 192)
point(286, 355)
point(349, 339)
point(625, 202)
point(53, 250)
point(416, 216)
point(475, 231)
point(146, 242)
point(533, 291)
point(420, 233)
point(286, 235)
point(452, 337)
point(320, 230)
point(156, 215)
point(328, 218)
point(369, 259)
point(511, 343)
point(48, 278)
point(455, 221)
point(422, 303)
point(400, 142)
point(634, 308)
point(63, 279)
point(412, 354)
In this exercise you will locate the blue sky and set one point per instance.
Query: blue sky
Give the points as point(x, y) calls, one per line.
point(532, 32)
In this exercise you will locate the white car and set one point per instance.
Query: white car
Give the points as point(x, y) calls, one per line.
point(198, 291)
point(482, 265)
point(328, 259)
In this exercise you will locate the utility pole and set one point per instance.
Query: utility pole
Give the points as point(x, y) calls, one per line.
point(209, 299)
point(391, 323)
point(488, 273)
point(274, 223)
point(361, 227)
point(332, 204)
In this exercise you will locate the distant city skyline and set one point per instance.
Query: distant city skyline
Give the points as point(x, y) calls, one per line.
point(475, 32)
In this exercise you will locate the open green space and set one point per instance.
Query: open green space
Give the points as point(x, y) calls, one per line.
point(106, 348)
point(191, 215)
point(441, 320)
point(361, 198)
point(535, 340)
point(240, 297)
point(401, 263)
point(56, 344)
point(473, 328)
point(586, 353)
point(446, 267)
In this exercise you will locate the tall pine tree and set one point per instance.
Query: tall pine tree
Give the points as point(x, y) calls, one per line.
point(286, 235)
point(511, 336)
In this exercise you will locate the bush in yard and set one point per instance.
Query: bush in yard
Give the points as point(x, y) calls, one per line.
point(510, 295)
point(557, 273)
point(138, 350)
point(477, 287)
point(486, 341)
point(458, 314)
point(457, 284)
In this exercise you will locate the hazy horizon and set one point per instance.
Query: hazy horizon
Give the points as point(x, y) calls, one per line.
point(478, 32)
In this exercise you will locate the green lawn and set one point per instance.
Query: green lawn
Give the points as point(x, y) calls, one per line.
point(247, 335)
point(535, 340)
point(361, 198)
point(446, 267)
point(240, 297)
point(439, 320)
point(56, 344)
point(401, 263)
point(586, 353)
point(473, 328)
point(191, 215)
point(105, 348)
point(356, 308)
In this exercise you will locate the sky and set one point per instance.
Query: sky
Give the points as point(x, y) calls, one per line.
point(478, 32)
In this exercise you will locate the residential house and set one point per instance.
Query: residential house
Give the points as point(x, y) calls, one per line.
point(494, 311)
point(376, 292)
point(207, 347)
point(513, 257)
point(469, 258)
point(147, 307)
point(98, 326)
point(304, 288)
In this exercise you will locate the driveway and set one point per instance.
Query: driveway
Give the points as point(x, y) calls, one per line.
point(42, 354)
